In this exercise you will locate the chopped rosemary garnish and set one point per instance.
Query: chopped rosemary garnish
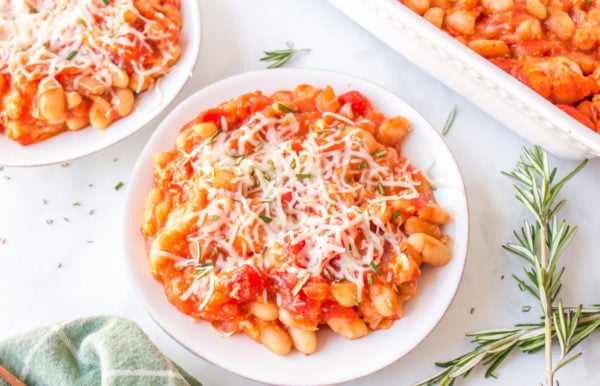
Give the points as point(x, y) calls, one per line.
point(106, 2)
point(202, 270)
point(350, 247)
point(293, 163)
point(395, 215)
point(370, 278)
point(119, 185)
point(300, 284)
point(71, 55)
point(286, 109)
point(374, 268)
point(280, 57)
point(267, 177)
point(252, 170)
point(449, 120)
point(212, 217)
point(265, 218)
point(271, 164)
point(362, 165)
point(213, 139)
point(198, 252)
point(341, 280)
point(303, 175)
point(380, 153)
point(33, 11)
point(259, 147)
point(355, 300)
point(380, 188)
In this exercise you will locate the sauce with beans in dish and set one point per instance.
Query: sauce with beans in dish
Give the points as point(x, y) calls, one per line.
point(277, 214)
point(69, 64)
point(552, 46)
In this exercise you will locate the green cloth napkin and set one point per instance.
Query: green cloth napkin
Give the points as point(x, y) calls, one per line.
point(98, 350)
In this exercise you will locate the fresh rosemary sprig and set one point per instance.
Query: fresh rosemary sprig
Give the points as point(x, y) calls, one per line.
point(539, 244)
point(494, 346)
point(280, 57)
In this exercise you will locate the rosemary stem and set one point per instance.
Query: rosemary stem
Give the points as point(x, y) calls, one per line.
point(547, 309)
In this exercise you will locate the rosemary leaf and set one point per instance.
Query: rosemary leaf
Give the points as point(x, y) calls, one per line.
point(278, 58)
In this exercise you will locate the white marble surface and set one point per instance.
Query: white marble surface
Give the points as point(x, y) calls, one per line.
point(60, 252)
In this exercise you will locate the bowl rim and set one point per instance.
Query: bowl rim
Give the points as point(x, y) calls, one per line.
point(136, 264)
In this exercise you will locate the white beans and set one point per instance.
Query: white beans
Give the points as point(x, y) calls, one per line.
point(303, 340)
point(353, 329)
point(276, 339)
point(433, 251)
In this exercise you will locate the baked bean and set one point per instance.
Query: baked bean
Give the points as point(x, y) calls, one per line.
point(529, 29)
point(88, 85)
point(419, 6)
point(560, 23)
point(537, 9)
point(434, 213)
point(276, 339)
point(460, 22)
point(489, 48)
point(349, 329)
point(433, 251)
point(414, 224)
point(383, 298)
point(123, 101)
point(139, 83)
point(264, 311)
point(51, 101)
point(344, 293)
point(435, 16)
point(118, 77)
point(303, 341)
point(100, 114)
point(74, 99)
point(498, 5)
point(76, 123)
point(393, 130)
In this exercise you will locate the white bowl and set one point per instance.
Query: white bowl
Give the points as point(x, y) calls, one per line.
point(491, 89)
point(336, 359)
point(72, 145)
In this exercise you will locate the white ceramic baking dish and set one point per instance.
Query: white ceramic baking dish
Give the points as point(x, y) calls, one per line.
point(490, 88)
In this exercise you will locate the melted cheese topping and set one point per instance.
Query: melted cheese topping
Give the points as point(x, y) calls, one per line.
point(291, 210)
point(87, 37)
point(282, 192)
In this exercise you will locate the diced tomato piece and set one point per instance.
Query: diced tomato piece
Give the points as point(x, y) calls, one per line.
point(287, 197)
point(360, 104)
point(331, 309)
point(246, 284)
point(294, 249)
point(211, 115)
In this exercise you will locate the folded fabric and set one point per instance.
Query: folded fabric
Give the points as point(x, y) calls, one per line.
point(99, 350)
